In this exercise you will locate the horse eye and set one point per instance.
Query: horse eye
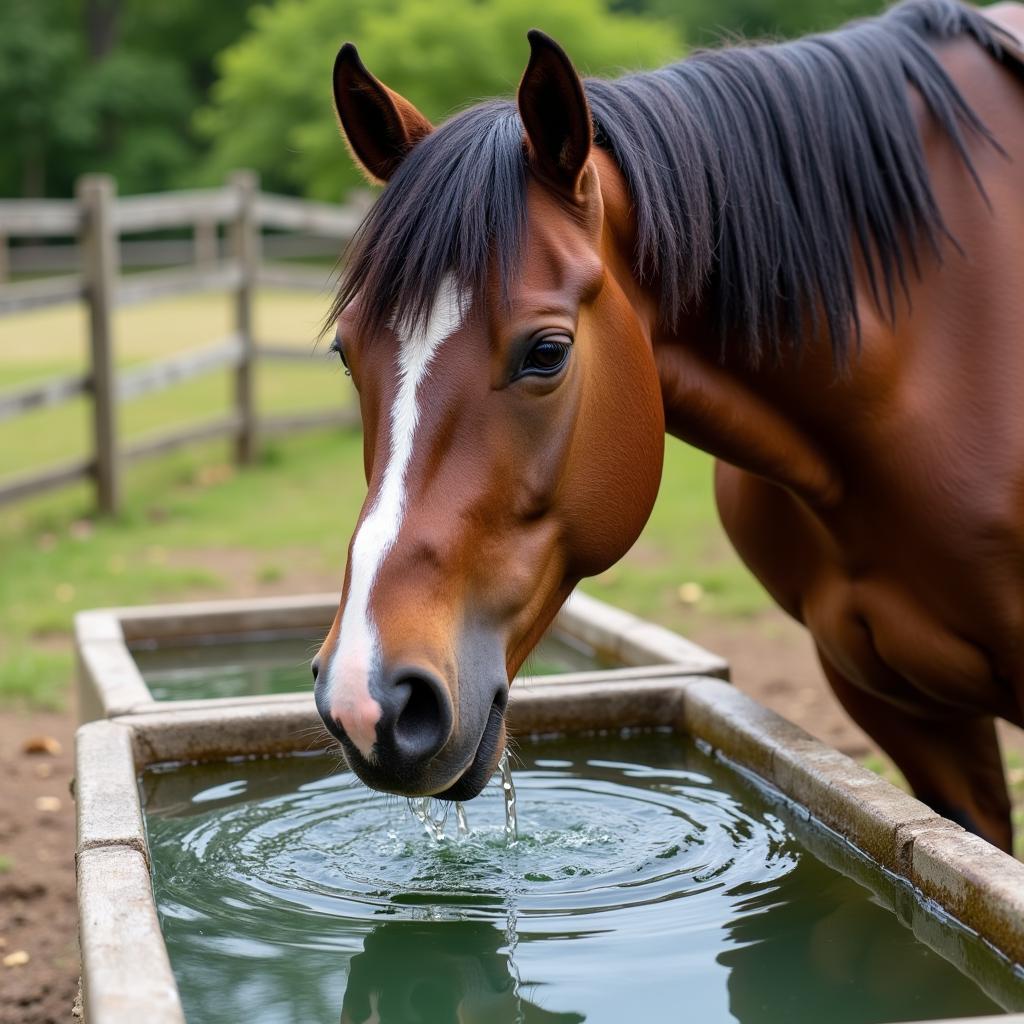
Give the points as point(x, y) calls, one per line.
point(547, 356)
point(337, 347)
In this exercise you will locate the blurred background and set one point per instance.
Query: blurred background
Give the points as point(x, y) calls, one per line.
point(175, 94)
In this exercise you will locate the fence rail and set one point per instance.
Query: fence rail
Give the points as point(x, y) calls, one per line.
point(173, 209)
point(289, 214)
point(25, 399)
point(94, 222)
point(47, 291)
point(39, 217)
point(205, 247)
point(161, 284)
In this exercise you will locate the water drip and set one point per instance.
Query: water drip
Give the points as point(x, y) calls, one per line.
point(508, 790)
point(461, 819)
point(422, 808)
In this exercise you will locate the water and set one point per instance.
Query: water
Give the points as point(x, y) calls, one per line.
point(260, 666)
point(648, 883)
point(508, 793)
point(433, 814)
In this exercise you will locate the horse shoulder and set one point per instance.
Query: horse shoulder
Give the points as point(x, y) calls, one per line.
point(773, 534)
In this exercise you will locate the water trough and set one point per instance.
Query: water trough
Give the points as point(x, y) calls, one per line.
point(958, 895)
point(116, 645)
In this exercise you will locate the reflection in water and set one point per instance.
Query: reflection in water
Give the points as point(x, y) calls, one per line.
point(649, 883)
point(438, 972)
point(836, 958)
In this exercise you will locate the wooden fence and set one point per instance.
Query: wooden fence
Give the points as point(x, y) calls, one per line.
point(95, 220)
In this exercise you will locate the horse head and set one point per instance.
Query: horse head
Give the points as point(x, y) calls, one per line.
point(513, 422)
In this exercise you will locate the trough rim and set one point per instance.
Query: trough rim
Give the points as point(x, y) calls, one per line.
point(110, 684)
point(971, 881)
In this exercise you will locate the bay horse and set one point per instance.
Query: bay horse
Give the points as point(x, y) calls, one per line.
point(806, 259)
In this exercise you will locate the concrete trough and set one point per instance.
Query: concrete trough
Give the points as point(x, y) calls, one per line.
point(934, 870)
point(110, 682)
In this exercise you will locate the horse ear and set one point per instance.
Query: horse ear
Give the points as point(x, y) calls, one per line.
point(555, 113)
point(379, 125)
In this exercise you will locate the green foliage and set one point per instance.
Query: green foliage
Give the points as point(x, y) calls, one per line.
point(708, 21)
point(86, 86)
point(34, 58)
point(191, 32)
point(275, 80)
point(272, 106)
point(127, 106)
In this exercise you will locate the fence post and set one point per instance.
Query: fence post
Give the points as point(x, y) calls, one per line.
point(204, 243)
point(245, 243)
point(98, 241)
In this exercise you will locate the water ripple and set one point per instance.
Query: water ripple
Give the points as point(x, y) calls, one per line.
point(627, 835)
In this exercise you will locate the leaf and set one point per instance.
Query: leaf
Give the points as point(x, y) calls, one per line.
point(42, 745)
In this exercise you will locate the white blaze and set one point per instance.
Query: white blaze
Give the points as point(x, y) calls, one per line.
point(358, 648)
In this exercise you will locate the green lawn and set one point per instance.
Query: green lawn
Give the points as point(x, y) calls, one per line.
point(52, 342)
point(192, 526)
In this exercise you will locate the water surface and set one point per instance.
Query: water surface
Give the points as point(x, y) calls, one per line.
point(650, 883)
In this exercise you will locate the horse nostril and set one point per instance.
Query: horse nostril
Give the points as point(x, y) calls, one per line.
point(423, 721)
point(315, 666)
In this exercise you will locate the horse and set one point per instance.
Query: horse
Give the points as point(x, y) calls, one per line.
point(457, 970)
point(805, 258)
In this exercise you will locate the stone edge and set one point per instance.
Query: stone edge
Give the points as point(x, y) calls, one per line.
point(979, 885)
point(118, 926)
point(108, 680)
point(110, 684)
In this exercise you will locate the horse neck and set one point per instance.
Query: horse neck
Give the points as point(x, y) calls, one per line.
point(756, 418)
point(800, 422)
point(791, 423)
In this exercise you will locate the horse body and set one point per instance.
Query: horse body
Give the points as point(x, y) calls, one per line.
point(895, 531)
point(878, 496)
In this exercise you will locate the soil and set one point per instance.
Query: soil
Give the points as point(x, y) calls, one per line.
point(37, 870)
point(771, 657)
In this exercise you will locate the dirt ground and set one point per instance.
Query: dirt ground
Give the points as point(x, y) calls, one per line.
point(772, 659)
point(37, 876)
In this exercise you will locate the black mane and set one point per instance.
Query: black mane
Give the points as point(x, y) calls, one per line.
point(750, 168)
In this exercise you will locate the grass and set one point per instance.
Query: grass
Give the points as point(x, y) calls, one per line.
point(193, 526)
point(42, 344)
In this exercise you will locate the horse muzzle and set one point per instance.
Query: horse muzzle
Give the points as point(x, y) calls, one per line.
point(417, 747)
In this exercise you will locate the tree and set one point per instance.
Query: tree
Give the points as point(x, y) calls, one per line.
point(149, 67)
point(35, 56)
point(706, 22)
point(108, 85)
point(272, 106)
